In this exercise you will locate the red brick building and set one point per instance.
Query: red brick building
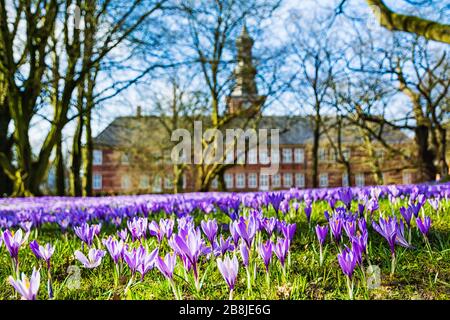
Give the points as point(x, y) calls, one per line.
point(132, 154)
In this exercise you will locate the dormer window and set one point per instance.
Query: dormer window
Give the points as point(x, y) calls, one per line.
point(125, 159)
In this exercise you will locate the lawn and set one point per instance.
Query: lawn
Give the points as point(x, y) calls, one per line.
point(265, 246)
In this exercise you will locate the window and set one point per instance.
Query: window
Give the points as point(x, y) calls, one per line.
point(240, 180)
point(97, 157)
point(215, 183)
point(359, 180)
point(332, 154)
point(97, 181)
point(144, 182)
point(346, 154)
point(263, 157)
point(125, 159)
point(287, 180)
point(299, 180)
point(229, 180)
point(252, 157)
point(299, 155)
point(407, 178)
point(275, 157)
point(323, 180)
point(168, 182)
point(276, 180)
point(184, 182)
point(125, 182)
point(157, 184)
point(322, 154)
point(229, 158)
point(264, 181)
point(287, 155)
point(252, 180)
point(345, 181)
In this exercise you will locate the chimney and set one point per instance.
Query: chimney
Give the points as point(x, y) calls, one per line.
point(139, 111)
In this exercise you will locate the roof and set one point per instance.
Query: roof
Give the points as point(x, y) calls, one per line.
point(297, 130)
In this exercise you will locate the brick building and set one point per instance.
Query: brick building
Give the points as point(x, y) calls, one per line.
point(132, 155)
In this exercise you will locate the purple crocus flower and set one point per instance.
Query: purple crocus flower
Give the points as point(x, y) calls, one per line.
point(281, 249)
point(166, 226)
point(308, 211)
point(372, 205)
point(392, 231)
point(229, 269)
point(347, 261)
point(288, 231)
point(222, 246)
point(362, 225)
point(346, 196)
point(406, 214)
point(123, 234)
point(156, 231)
point(138, 228)
point(93, 259)
point(359, 244)
point(415, 209)
point(388, 229)
point(284, 207)
point(167, 265)
point(361, 208)
point(244, 253)
point(114, 247)
point(234, 233)
point(332, 202)
point(13, 242)
point(210, 229)
point(27, 288)
point(350, 228)
point(246, 228)
point(189, 246)
point(375, 192)
point(275, 199)
point(265, 251)
point(133, 258)
point(326, 215)
point(147, 262)
point(269, 224)
point(434, 203)
point(321, 233)
point(424, 225)
point(86, 233)
point(336, 225)
point(42, 252)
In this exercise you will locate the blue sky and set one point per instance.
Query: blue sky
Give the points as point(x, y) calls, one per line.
point(276, 31)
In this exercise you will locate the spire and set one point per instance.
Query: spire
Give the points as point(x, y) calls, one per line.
point(245, 71)
point(244, 33)
point(244, 96)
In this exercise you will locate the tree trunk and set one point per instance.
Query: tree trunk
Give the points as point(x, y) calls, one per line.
point(88, 156)
point(59, 170)
point(6, 185)
point(315, 151)
point(75, 168)
point(443, 165)
point(425, 156)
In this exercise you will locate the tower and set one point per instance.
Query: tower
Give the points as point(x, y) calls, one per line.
point(244, 97)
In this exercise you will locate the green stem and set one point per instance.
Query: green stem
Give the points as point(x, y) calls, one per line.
point(393, 262)
point(350, 288)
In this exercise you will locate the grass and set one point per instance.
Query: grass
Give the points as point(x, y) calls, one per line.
point(420, 274)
